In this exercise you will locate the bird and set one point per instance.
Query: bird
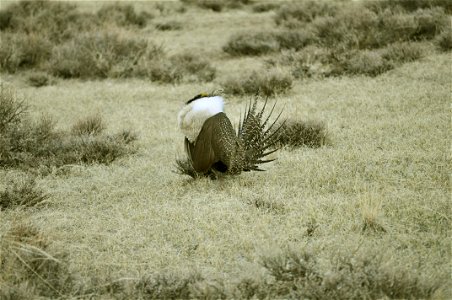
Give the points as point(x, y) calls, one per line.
point(212, 145)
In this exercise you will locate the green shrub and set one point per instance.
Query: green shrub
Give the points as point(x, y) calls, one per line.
point(251, 44)
point(298, 133)
point(266, 83)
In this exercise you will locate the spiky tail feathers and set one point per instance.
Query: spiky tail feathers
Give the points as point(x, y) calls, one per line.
point(257, 136)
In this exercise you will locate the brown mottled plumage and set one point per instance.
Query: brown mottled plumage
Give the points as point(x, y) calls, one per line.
point(217, 147)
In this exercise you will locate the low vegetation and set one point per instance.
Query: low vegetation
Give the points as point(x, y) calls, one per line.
point(357, 38)
point(354, 205)
point(298, 133)
point(56, 38)
point(21, 191)
point(263, 82)
point(28, 144)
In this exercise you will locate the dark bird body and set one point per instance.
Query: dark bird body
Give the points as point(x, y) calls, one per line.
point(211, 143)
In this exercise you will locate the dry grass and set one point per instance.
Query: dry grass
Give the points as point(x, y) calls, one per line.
point(135, 229)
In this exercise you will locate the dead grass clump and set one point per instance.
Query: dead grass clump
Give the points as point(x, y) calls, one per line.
point(251, 43)
point(266, 83)
point(29, 268)
point(21, 191)
point(298, 133)
point(92, 125)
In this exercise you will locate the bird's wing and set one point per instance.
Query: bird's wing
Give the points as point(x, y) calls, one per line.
point(215, 143)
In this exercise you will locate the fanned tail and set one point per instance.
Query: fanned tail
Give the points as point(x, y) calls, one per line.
point(257, 138)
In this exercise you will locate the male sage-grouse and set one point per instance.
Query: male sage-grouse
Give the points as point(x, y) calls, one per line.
point(213, 146)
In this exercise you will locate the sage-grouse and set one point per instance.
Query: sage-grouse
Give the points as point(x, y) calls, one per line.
point(213, 146)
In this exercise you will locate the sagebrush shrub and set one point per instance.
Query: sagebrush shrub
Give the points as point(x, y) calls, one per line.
point(347, 276)
point(401, 52)
point(183, 67)
point(297, 14)
point(168, 25)
point(29, 145)
point(444, 40)
point(122, 15)
point(38, 79)
point(98, 54)
point(366, 62)
point(251, 43)
point(265, 6)
point(23, 51)
point(302, 133)
point(266, 83)
point(294, 39)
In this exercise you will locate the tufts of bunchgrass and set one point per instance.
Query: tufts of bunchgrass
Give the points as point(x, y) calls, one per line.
point(92, 125)
point(21, 192)
point(251, 43)
point(29, 269)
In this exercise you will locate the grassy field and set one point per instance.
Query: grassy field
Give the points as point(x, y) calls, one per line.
point(365, 216)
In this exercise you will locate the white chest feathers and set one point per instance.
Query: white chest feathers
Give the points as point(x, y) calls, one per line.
point(193, 115)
